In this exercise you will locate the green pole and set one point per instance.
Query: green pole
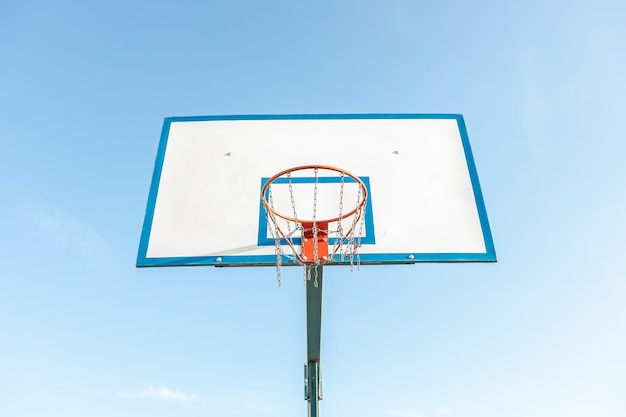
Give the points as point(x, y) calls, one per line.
point(312, 369)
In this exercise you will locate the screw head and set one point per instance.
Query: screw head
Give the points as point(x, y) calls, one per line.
point(411, 256)
point(218, 259)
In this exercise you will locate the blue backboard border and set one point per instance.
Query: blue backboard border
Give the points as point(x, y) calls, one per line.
point(270, 260)
point(370, 232)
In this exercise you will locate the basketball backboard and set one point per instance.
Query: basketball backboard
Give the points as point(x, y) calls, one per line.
point(424, 202)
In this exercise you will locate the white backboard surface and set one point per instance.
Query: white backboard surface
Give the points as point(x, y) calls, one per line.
point(424, 204)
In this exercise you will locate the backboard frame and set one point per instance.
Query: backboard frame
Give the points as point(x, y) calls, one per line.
point(144, 259)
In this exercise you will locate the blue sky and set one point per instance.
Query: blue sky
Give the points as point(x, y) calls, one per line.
point(84, 89)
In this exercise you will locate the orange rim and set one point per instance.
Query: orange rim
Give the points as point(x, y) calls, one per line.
point(302, 168)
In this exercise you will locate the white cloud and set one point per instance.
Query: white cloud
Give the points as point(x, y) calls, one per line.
point(164, 393)
point(403, 413)
point(257, 403)
point(63, 231)
point(408, 413)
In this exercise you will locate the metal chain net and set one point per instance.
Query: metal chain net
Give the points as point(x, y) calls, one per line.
point(342, 247)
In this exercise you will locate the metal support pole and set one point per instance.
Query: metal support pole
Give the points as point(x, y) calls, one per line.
point(312, 369)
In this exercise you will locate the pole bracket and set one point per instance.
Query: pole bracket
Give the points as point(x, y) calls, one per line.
point(312, 381)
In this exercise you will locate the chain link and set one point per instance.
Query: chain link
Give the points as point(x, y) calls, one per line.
point(339, 240)
point(275, 235)
point(356, 243)
point(293, 206)
point(316, 259)
point(293, 201)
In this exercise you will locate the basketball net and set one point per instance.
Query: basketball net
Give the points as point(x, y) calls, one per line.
point(326, 231)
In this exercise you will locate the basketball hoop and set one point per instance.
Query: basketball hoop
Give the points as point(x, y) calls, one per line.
point(324, 233)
